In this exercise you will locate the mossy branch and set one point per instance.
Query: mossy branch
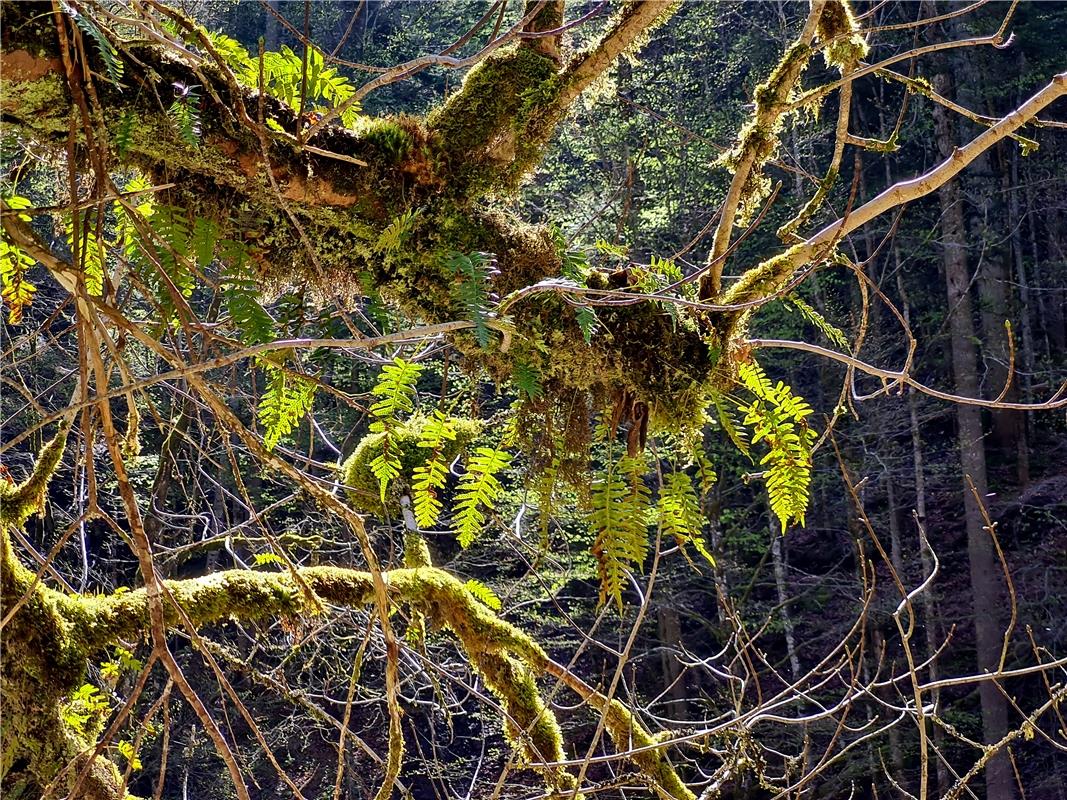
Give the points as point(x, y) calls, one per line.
point(19, 502)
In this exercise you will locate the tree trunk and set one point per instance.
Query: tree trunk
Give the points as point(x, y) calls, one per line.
point(985, 585)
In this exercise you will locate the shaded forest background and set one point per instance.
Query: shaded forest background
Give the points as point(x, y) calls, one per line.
point(632, 168)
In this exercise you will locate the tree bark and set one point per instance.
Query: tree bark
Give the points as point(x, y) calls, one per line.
point(985, 579)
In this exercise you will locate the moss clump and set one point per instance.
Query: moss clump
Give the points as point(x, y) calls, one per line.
point(489, 131)
point(364, 492)
point(840, 34)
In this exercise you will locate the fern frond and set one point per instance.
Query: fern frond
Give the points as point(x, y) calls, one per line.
point(17, 292)
point(108, 54)
point(428, 479)
point(527, 380)
point(679, 513)
point(391, 239)
point(778, 417)
point(287, 400)
point(252, 322)
point(470, 289)
point(90, 255)
point(184, 114)
point(205, 235)
point(483, 594)
point(828, 329)
point(731, 427)
point(123, 136)
point(620, 518)
point(395, 391)
point(478, 492)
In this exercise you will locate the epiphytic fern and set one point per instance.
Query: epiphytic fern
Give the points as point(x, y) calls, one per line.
point(478, 492)
point(254, 325)
point(428, 479)
point(620, 519)
point(287, 400)
point(395, 391)
point(483, 594)
point(527, 380)
point(777, 416)
point(828, 329)
point(108, 54)
point(123, 135)
point(470, 289)
point(679, 513)
point(184, 114)
point(14, 264)
point(394, 234)
point(89, 253)
point(730, 426)
point(285, 77)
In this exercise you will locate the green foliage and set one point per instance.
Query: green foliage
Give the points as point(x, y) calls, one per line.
point(90, 254)
point(777, 416)
point(85, 711)
point(527, 380)
point(470, 289)
point(396, 232)
point(828, 329)
point(395, 391)
point(428, 479)
point(262, 559)
point(679, 513)
point(284, 75)
point(730, 426)
point(286, 401)
point(17, 292)
point(127, 751)
point(122, 663)
point(123, 136)
point(108, 54)
point(478, 492)
point(483, 594)
point(253, 322)
point(620, 517)
point(184, 114)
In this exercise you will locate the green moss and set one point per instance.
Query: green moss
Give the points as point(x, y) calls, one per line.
point(42, 102)
point(840, 34)
point(364, 493)
point(758, 139)
point(489, 131)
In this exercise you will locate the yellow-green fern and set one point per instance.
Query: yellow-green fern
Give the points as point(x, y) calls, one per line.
point(777, 416)
point(428, 479)
point(396, 395)
point(478, 492)
point(620, 521)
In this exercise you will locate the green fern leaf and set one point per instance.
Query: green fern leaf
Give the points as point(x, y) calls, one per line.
point(396, 232)
point(527, 380)
point(90, 255)
point(17, 292)
point(395, 391)
point(478, 492)
point(483, 594)
point(470, 290)
point(778, 417)
point(679, 514)
point(620, 517)
point(288, 399)
point(184, 114)
point(254, 325)
point(428, 479)
point(828, 329)
point(108, 54)
point(123, 135)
